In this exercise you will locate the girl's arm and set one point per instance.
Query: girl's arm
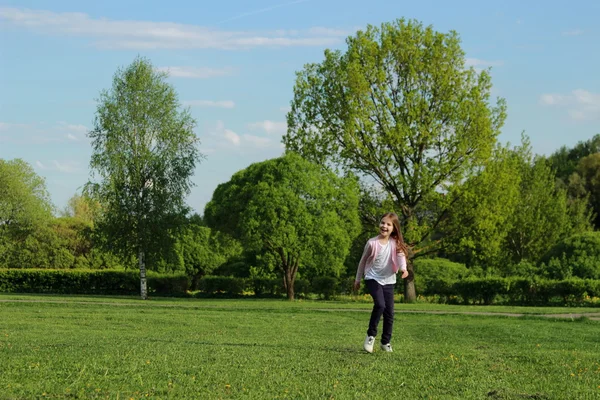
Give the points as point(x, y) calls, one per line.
point(402, 264)
point(361, 265)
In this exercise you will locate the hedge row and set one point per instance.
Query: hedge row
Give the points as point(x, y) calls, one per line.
point(100, 282)
point(467, 290)
point(516, 290)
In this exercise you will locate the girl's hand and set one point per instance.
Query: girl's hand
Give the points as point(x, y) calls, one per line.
point(356, 285)
point(404, 274)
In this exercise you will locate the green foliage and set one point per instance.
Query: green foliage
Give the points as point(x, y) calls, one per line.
point(400, 107)
point(584, 184)
point(144, 153)
point(222, 284)
point(205, 249)
point(476, 229)
point(263, 286)
point(291, 212)
point(25, 209)
point(510, 212)
point(105, 282)
point(437, 275)
point(326, 286)
point(24, 201)
point(82, 208)
point(575, 256)
point(564, 161)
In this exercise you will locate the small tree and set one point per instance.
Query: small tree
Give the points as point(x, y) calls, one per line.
point(293, 211)
point(144, 152)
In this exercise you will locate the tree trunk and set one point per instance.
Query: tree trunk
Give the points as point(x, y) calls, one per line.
point(289, 283)
point(410, 294)
point(143, 285)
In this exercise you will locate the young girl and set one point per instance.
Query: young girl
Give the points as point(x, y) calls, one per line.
point(383, 256)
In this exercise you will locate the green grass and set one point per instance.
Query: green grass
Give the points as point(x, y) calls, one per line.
point(93, 347)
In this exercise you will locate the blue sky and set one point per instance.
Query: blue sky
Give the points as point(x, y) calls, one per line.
point(234, 64)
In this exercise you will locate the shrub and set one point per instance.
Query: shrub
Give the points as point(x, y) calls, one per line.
point(433, 275)
point(222, 284)
point(578, 254)
point(325, 286)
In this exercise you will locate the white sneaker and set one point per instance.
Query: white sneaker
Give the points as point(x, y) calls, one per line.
point(387, 348)
point(369, 342)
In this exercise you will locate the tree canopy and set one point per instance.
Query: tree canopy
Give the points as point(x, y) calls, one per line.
point(401, 108)
point(144, 153)
point(295, 212)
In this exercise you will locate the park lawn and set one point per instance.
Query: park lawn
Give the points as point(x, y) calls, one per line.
point(362, 302)
point(81, 347)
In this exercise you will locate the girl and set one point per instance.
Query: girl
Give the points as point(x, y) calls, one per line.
point(383, 256)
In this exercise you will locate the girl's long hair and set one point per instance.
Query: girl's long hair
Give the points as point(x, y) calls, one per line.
point(397, 233)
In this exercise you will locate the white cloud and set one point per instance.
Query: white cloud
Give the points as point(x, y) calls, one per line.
point(270, 127)
point(257, 141)
point(574, 32)
point(209, 103)
point(68, 167)
point(232, 137)
point(43, 133)
point(580, 104)
point(195, 72)
point(221, 138)
point(7, 126)
point(142, 35)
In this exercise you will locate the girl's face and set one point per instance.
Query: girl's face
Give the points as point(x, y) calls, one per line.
point(386, 227)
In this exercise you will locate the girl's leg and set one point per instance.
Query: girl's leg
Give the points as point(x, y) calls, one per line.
point(376, 292)
point(388, 313)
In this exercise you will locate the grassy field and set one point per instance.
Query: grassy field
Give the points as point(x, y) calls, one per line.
point(119, 348)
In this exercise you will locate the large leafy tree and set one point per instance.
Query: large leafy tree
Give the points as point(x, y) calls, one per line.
point(144, 153)
point(295, 213)
point(399, 107)
point(25, 208)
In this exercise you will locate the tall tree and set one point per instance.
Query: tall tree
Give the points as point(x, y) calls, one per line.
point(400, 107)
point(83, 208)
point(25, 207)
point(511, 211)
point(144, 153)
point(295, 212)
point(584, 184)
point(565, 160)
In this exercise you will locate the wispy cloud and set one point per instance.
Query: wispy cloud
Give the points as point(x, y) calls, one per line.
point(209, 103)
point(195, 72)
point(42, 133)
point(270, 127)
point(232, 137)
point(580, 104)
point(574, 32)
point(220, 137)
point(260, 11)
point(68, 167)
point(257, 141)
point(143, 35)
point(479, 64)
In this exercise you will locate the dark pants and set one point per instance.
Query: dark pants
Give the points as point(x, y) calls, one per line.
point(383, 299)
